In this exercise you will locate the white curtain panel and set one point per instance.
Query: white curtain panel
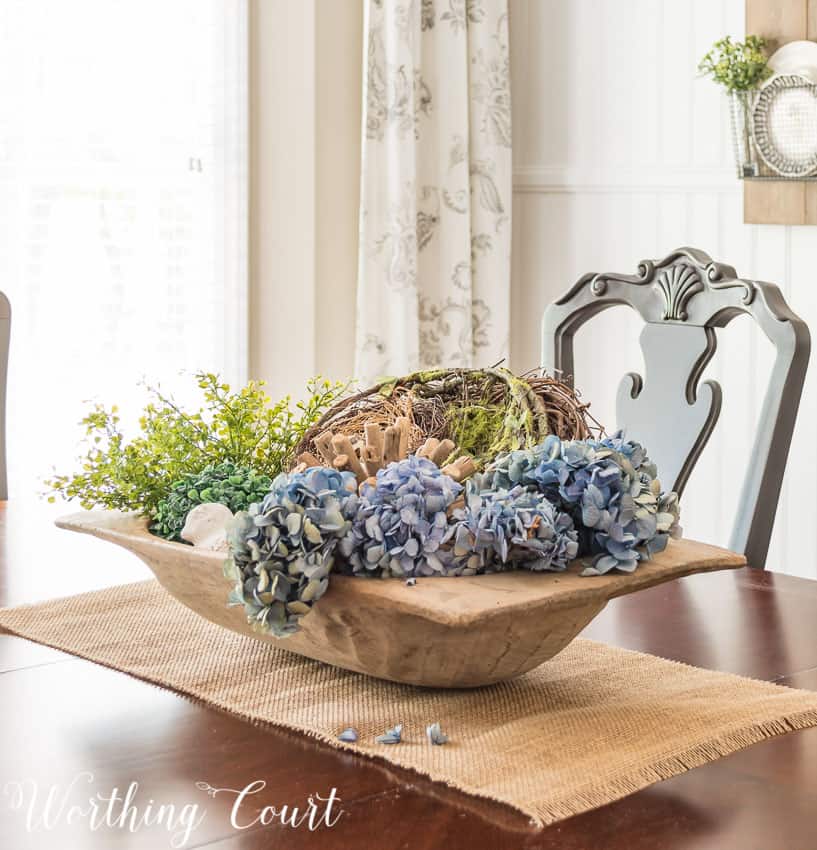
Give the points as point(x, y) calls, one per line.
point(435, 227)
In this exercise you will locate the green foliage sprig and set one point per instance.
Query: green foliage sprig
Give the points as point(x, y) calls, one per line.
point(237, 487)
point(241, 427)
point(738, 66)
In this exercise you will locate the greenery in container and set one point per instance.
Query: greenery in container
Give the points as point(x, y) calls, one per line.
point(240, 427)
point(738, 66)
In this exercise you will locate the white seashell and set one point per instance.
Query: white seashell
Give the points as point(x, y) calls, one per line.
point(206, 526)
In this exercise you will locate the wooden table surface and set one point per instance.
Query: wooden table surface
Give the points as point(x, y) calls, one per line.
point(61, 718)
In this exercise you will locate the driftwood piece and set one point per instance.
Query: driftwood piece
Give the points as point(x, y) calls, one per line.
point(428, 448)
point(404, 424)
point(341, 462)
point(436, 450)
point(323, 443)
point(391, 444)
point(371, 459)
point(308, 459)
point(442, 452)
point(343, 446)
point(374, 436)
point(461, 468)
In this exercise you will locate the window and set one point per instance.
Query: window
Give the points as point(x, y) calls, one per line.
point(123, 227)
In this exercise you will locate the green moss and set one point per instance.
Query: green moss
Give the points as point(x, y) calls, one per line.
point(387, 387)
point(415, 379)
point(482, 430)
point(475, 427)
point(426, 376)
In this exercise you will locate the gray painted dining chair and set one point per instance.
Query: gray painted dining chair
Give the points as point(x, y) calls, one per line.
point(5, 329)
point(683, 299)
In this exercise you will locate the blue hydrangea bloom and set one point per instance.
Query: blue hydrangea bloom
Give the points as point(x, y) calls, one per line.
point(281, 549)
point(610, 489)
point(400, 522)
point(496, 529)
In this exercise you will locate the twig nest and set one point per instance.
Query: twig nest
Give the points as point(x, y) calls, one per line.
point(483, 412)
point(206, 526)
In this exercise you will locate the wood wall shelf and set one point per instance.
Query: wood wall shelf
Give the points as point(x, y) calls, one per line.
point(769, 201)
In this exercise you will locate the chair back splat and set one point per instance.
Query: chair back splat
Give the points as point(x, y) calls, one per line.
point(683, 299)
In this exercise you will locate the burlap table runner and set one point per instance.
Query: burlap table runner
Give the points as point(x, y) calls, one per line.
point(594, 724)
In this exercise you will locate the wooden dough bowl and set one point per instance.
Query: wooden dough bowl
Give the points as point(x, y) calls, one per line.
point(453, 632)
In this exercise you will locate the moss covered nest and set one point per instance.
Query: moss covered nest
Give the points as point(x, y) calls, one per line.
point(484, 411)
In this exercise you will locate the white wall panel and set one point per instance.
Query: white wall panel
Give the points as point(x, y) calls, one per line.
point(622, 152)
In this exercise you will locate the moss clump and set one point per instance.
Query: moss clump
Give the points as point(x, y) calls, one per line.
point(475, 427)
point(416, 380)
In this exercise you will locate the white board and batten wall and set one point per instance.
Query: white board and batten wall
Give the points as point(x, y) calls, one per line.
point(622, 153)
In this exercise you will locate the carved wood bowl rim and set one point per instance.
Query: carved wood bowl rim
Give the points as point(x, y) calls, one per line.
point(441, 606)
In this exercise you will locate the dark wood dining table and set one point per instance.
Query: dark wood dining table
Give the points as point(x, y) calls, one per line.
point(61, 717)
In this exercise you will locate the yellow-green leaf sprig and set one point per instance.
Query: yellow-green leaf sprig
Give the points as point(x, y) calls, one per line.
point(737, 66)
point(243, 427)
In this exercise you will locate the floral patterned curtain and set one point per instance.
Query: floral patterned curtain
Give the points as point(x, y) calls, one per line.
point(435, 224)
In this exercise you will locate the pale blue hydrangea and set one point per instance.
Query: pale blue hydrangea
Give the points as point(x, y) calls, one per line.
point(391, 736)
point(499, 529)
point(281, 549)
point(609, 487)
point(400, 522)
point(436, 736)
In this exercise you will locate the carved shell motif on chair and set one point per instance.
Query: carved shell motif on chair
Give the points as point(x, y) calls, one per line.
point(675, 280)
point(678, 284)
